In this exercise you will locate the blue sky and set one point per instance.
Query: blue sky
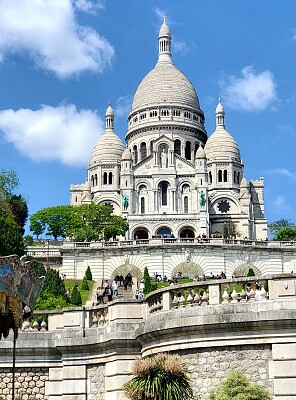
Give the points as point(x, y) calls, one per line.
point(61, 61)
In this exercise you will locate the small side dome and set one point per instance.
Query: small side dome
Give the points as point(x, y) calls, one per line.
point(126, 155)
point(200, 152)
point(109, 147)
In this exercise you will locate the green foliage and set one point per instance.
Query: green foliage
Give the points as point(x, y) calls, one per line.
point(19, 209)
point(275, 226)
point(84, 284)
point(47, 301)
point(38, 268)
point(161, 377)
point(251, 272)
point(53, 283)
point(28, 240)
point(86, 222)
point(88, 274)
point(237, 387)
point(11, 238)
point(8, 182)
point(229, 230)
point(286, 234)
point(147, 281)
point(76, 296)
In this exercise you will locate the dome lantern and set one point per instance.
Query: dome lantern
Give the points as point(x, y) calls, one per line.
point(220, 116)
point(164, 43)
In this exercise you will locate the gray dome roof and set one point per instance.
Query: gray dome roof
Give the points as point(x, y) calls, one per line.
point(165, 84)
point(108, 148)
point(222, 146)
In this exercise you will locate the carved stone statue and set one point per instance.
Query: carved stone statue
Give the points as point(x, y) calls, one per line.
point(164, 158)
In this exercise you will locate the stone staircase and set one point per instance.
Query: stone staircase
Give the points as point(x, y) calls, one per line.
point(123, 294)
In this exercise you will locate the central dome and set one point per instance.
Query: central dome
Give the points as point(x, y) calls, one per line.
point(165, 84)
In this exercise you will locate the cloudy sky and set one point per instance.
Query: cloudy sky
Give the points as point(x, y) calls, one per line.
point(62, 61)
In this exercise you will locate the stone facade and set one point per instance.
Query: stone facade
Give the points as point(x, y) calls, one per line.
point(29, 383)
point(208, 367)
point(96, 382)
point(170, 180)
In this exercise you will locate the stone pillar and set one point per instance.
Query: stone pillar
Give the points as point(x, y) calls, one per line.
point(214, 294)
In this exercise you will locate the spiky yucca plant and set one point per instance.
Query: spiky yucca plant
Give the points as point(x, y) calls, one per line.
point(160, 377)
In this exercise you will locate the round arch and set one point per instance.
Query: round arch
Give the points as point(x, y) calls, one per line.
point(164, 231)
point(125, 269)
point(186, 232)
point(243, 269)
point(187, 269)
point(140, 233)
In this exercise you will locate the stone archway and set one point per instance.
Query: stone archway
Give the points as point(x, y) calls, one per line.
point(243, 269)
point(187, 232)
point(141, 233)
point(188, 269)
point(125, 269)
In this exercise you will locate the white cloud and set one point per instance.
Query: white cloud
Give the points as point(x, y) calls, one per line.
point(251, 92)
point(180, 47)
point(61, 134)
point(281, 204)
point(123, 106)
point(282, 172)
point(89, 6)
point(49, 33)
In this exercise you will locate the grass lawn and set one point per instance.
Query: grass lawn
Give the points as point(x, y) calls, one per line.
point(69, 284)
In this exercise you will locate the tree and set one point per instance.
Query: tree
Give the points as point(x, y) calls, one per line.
point(237, 387)
point(19, 209)
point(275, 226)
point(76, 296)
point(229, 230)
point(88, 274)
point(11, 238)
point(8, 182)
point(53, 283)
point(147, 281)
point(286, 234)
point(159, 377)
point(84, 284)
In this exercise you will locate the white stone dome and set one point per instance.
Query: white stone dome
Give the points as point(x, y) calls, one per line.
point(165, 84)
point(200, 152)
point(108, 148)
point(126, 155)
point(221, 145)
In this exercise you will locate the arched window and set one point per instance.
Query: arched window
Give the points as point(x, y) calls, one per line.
point(92, 181)
point(151, 147)
point(225, 175)
point(210, 178)
point(234, 177)
point(177, 147)
point(186, 205)
point(96, 180)
point(143, 151)
point(164, 194)
point(135, 154)
point(238, 178)
point(196, 148)
point(142, 205)
point(219, 175)
point(105, 178)
point(188, 151)
point(110, 178)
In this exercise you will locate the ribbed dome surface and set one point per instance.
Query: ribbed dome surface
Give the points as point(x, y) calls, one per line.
point(126, 155)
point(108, 148)
point(165, 84)
point(222, 146)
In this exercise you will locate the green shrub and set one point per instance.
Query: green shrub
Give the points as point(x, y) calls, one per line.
point(88, 274)
point(147, 281)
point(76, 296)
point(84, 284)
point(251, 272)
point(47, 301)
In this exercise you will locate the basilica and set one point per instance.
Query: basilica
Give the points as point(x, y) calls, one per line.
point(171, 180)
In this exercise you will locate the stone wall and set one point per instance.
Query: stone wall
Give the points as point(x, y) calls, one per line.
point(96, 382)
point(29, 383)
point(208, 367)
